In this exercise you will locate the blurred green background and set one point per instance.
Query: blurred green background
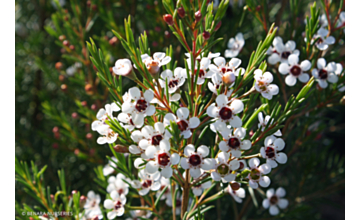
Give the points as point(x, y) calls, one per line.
point(52, 122)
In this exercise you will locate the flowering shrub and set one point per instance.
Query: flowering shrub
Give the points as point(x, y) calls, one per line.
point(186, 129)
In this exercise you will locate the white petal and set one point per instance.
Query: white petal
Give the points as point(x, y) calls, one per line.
point(189, 149)
point(280, 192)
point(184, 164)
point(290, 80)
point(321, 63)
point(138, 119)
point(236, 122)
point(194, 122)
point(265, 181)
point(274, 210)
point(221, 100)
point(332, 78)
point(159, 127)
point(281, 158)
point(304, 77)
point(279, 144)
point(195, 173)
point(274, 58)
point(212, 110)
point(150, 151)
point(223, 146)
point(208, 164)
point(284, 68)
point(169, 117)
point(164, 145)
point(108, 204)
point(234, 63)
point(148, 95)
point(111, 215)
point(254, 162)
point(220, 61)
point(150, 110)
point(265, 168)
point(305, 65)
point(293, 59)
point(283, 203)
point(266, 203)
point(253, 184)
point(182, 113)
point(174, 158)
point(245, 145)
point(234, 165)
point(167, 172)
point(330, 40)
point(237, 106)
point(134, 149)
point(134, 93)
point(151, 167)
point(240, 132)
point(203, 150)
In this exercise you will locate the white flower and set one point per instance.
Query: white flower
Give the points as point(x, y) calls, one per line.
point(204, 71)
point(92, 208)
point(325, 73)
point(216, 81)
point(271, 151)
point(108, 168)
point(140, 107)
point(237, 194)
point(280, 52)
point(175, 81)
point(165, 182)
point(235, 45)
point(137, 136)
point(263, 122)
point(182, 121)
point(295, 70)
point(122, 67)
point(135, 214)
point(148, 182)
point(103, 115)
point(341, 21)
point(227, 71)
point(115, 204)
point(323, 41)
point(129, 124)
point(234, 143)
point(256, 174)
point(223, 168)
point(224, 113)
point(339, 69)
point(210, 55)
point(195, 161)
point(154, 139)
point(153, 64)
point(262, 84)
point(109, 136)
point(163, 160)
point(275, 200)
point(117, 184)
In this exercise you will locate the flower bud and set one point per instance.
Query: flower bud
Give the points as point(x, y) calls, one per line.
point(88, 88)
point(58, 65)
point(55, 129)
point(123, 67)
point(89, 136)
point(168, 19)
point(76, 152)
point(66, 43)
point(84, 103)
point(198, 16)
point(121, 149)
point(62, 37)
point(218, 25)
point(181, 12)
point(93, 107)
point(153, 67)
point(167, 34)
point(206, 35)
point(82, 200)
point(73, 192)
point(94, 7)
point(55, 146)
point(72, 47)
point(113, 41)
point(74, 115)
point(61, 78)
point(228, 78)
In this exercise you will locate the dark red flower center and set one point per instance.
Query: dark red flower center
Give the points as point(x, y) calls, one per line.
point(120, 191)
point(183, 125)
point(155, 140)
point(163, 159)
point(146, 183)
point(242, 165)
point(270, 152)
point(234, 143)
point(131, 122)
point(201, 73)
point(141, 105)
point(323, 74)
point(225, 113)
point(195, 160)
point(225, 69)
point(285, 54)
point(273, 200)
point(295, 70)
point(173, 83)
point(117, 205)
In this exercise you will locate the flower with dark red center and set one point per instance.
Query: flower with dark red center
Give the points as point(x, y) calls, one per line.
point(168, 19)
point(234, 143)
point(295, 70)
point(280, 52)
point(271, 151)
point(115, 204)
point(285, 54)
point(182, 121)
point(153, 64)
point(194, 160)
point(141, 105)
point(235, 45)
point(174, 81)
point(164, 159)
point(274, 200)
point(224, 167)
point(236, 191)
point(325, 73)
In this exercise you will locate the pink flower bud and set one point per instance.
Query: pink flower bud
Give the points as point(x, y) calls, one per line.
point(168, 19)
point(206, 35)
point(198, 16)
point(228, 78)
point(181, 12)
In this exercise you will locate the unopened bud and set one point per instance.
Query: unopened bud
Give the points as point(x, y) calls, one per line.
point(121, 149)
point(181, 12)
point(84, 103)
point(92, 152)
point(88, 3)
point(167, 34)
point(235, 186)
point(72, 47)
point(55, 129)
point(76, 151)
point(61, 78)
point(82, 200)
point(94, 7)
point(93, 107)
point(113, 41)
point(206, 35)
point(73, 192)
point(228, 78)
point(153, 67)
point(168, 19)
point(58, 65)
point(74, 115)
point(57, 135)
point(258, 8)
point(55, 145)
point(88, 87)
point(198, 16)
point(66, 43)
point(123, 67)
point(62, 37)
point(62, 50)
point(89, 136)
